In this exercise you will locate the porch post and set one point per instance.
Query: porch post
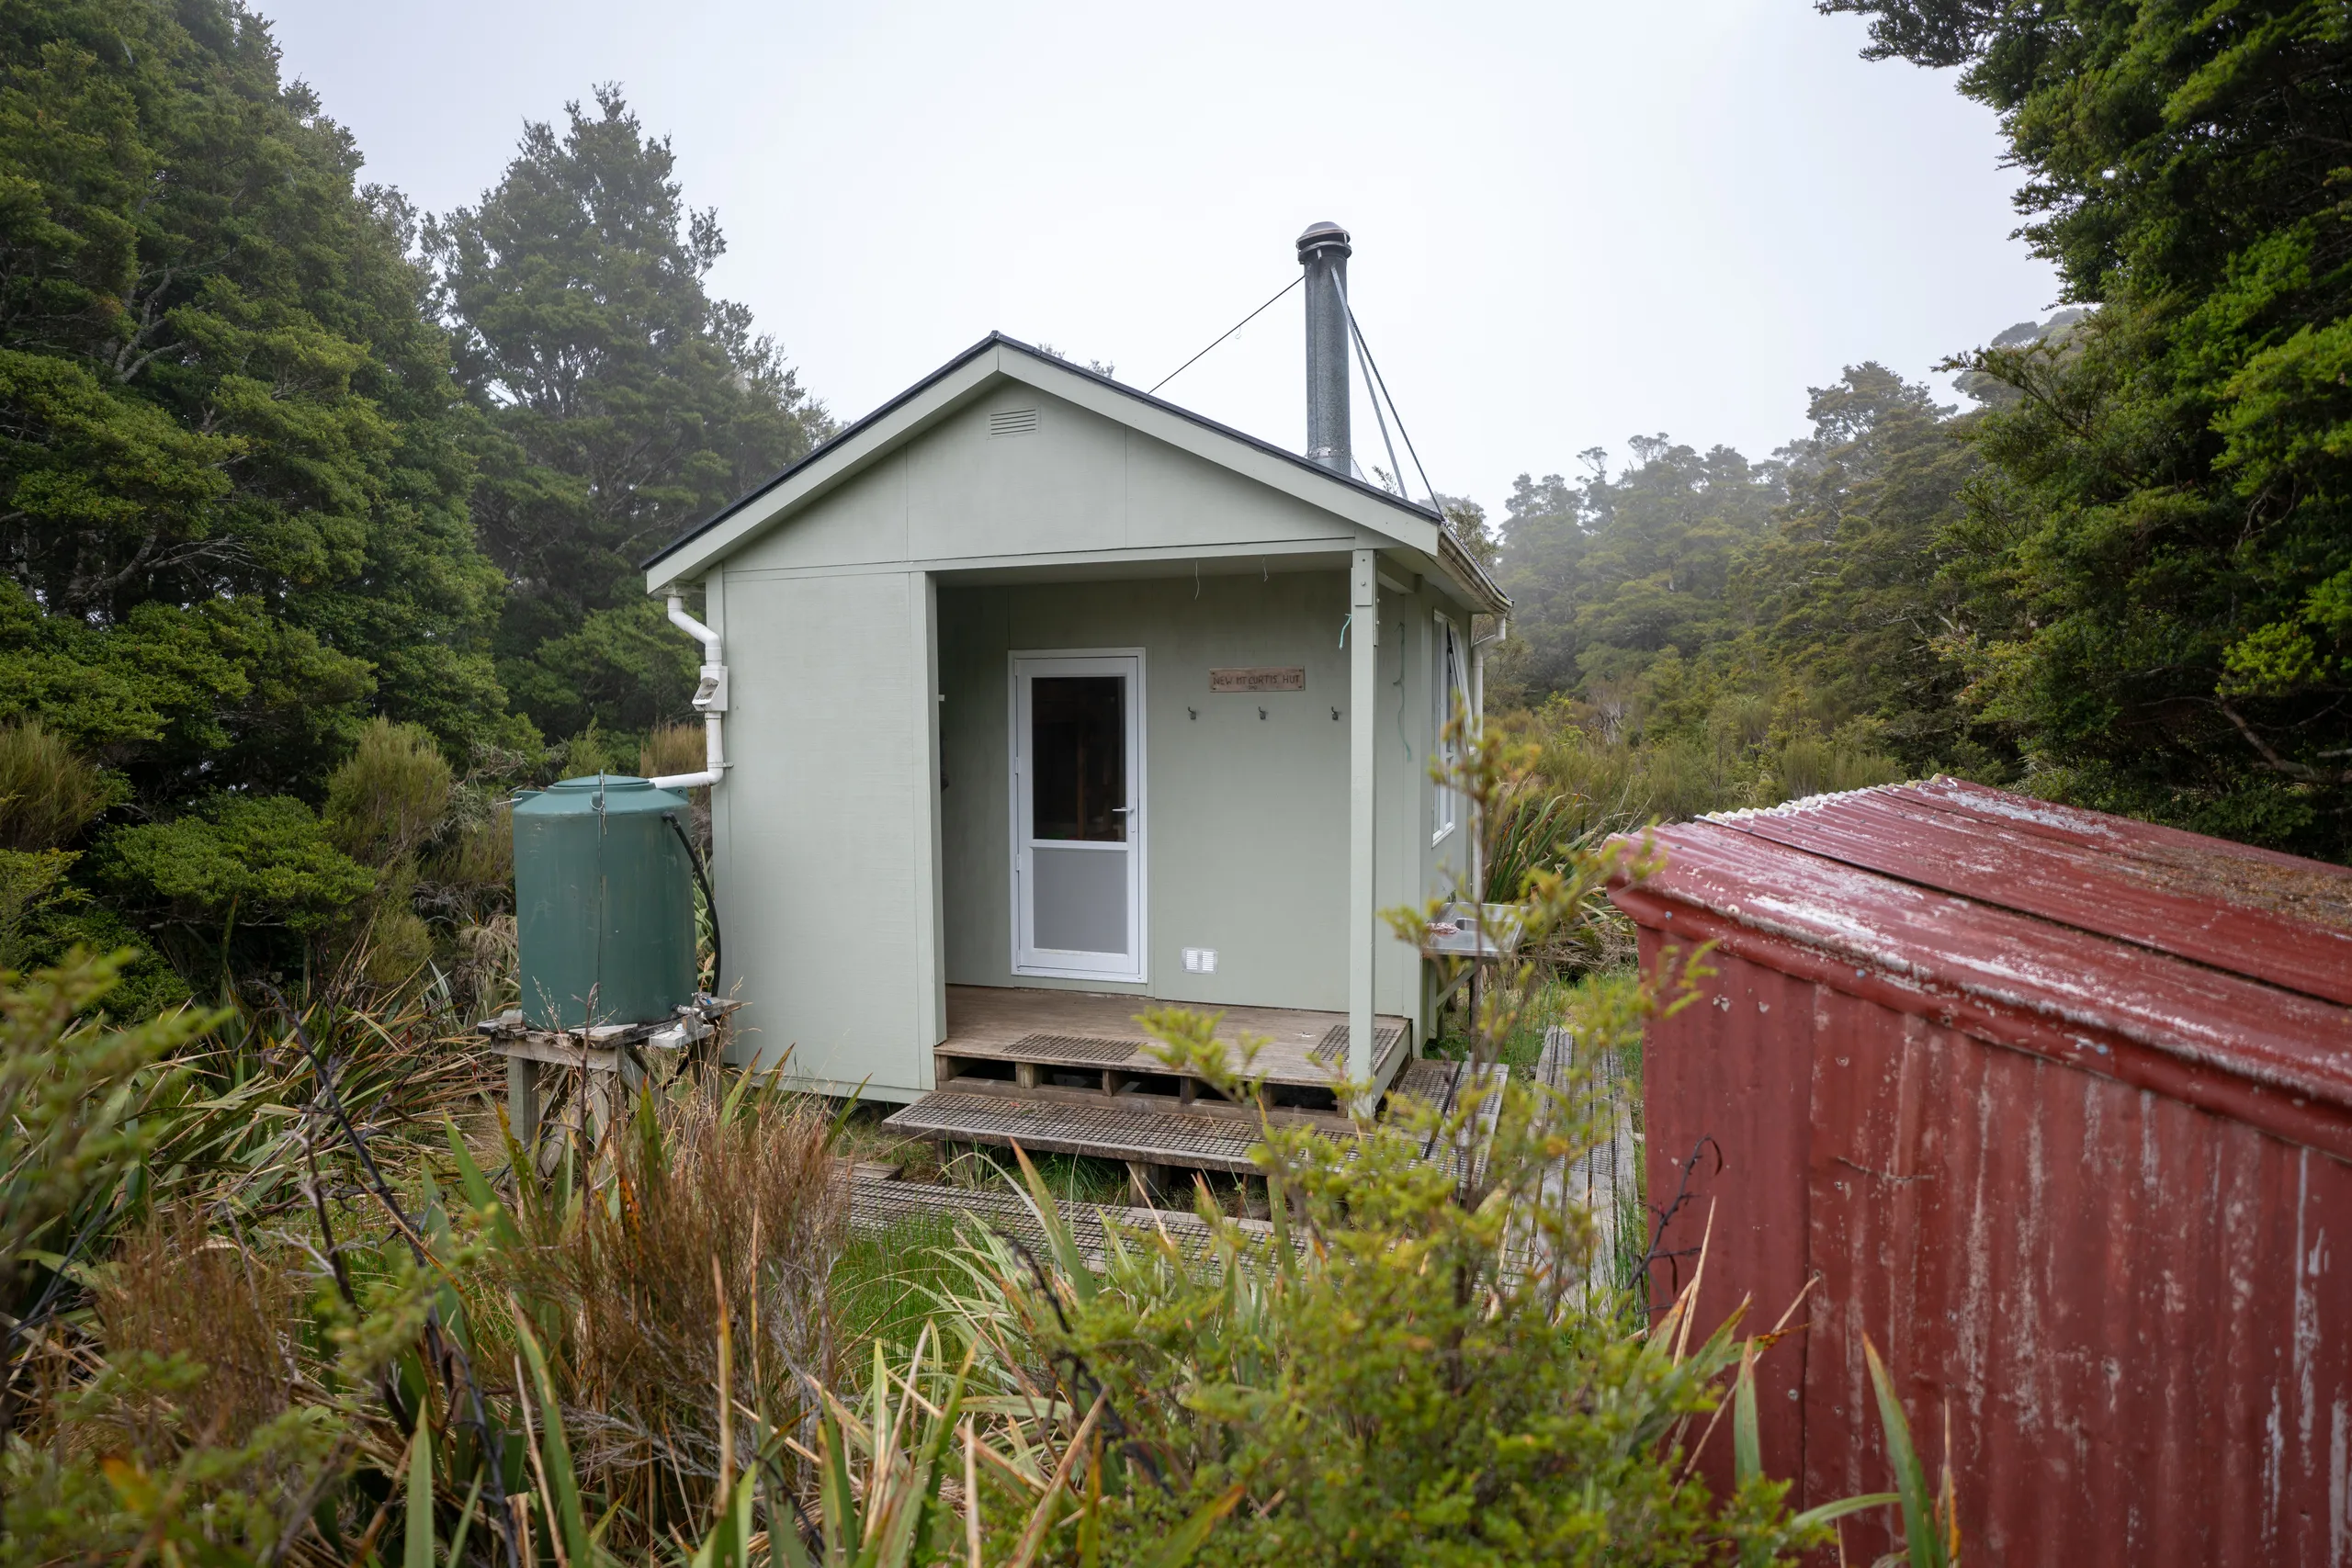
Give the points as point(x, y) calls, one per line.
point(1364, 681)
point(931, 945)
point(1476, 858)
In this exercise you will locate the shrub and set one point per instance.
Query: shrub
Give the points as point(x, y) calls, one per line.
point(171, 1288)
point(1806, 766)
point(48, 794)
point(256, 860)
point(1437, 1376)
point(71, 1094)
point(389, 795)
point(32, 884)
point(473, 866)
point(396, 944)
point(586, 754)
point(626, 1295)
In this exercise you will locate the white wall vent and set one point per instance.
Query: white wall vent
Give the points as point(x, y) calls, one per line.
point(1012, 422)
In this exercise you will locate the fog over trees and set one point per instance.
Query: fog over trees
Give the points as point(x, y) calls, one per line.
point(284, 458)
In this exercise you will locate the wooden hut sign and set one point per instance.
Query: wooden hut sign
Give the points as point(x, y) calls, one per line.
point(1260, 678)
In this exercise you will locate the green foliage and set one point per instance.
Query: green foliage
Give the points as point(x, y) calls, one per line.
point(1714, 632)
point(389, 796)
point(1854, 591)
point(223, 407)
point(235, 860)
point(619, 404)
point(884, 1280)
point(2160, 552)
point(234, 479)
point(32, 886)
point(1609, 575)
point(71, 1090)
point(1435, 1374)
point(48, 794)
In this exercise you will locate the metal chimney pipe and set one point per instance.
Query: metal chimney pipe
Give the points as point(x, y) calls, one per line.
point(1323, 250)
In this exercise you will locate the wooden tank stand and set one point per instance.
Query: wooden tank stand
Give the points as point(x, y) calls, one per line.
point(612, 1049)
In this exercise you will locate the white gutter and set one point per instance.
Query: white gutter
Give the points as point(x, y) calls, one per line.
point(710, 700)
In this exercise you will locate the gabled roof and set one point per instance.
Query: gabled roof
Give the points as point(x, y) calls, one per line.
point(1401, 522)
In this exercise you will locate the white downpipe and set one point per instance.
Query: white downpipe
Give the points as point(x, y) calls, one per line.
point(711, 700)
point(1479, 719)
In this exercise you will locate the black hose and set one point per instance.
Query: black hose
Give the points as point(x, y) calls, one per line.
point(702, 880)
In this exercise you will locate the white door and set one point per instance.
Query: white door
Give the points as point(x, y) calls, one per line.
point(1078, 850)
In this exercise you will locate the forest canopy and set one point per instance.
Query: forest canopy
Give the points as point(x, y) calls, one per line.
point(309, 499)
point(2119, 573)
point(284, 458)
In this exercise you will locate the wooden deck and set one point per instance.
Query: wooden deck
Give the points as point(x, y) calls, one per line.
point(990, 1028)
point(1073, 1072)
point(1150, 1132)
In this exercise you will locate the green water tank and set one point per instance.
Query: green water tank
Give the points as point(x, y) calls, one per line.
point(604, 903)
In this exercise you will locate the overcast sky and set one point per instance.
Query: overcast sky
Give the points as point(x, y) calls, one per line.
point(1573, 221)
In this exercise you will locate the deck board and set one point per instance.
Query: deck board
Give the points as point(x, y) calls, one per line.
point(1014, 1023)
point(1106, 1132)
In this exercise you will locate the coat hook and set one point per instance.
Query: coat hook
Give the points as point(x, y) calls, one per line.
point(1194, 712)
point(1335, 715)
point(1261, 712)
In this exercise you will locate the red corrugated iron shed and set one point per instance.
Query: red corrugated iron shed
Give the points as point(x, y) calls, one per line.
point(2055, 1107)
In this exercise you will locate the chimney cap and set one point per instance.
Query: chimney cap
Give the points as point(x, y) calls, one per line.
point(1324, 236)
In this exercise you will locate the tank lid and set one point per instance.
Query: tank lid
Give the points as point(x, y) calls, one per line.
point(609, 793)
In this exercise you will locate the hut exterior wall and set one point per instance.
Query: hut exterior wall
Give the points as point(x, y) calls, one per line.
point(853, 888)
point(1074, 484)
point(1245, 820)
point(2132, 1308)
point(825, 832)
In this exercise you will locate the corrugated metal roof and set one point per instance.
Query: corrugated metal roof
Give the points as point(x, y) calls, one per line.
point(2254, 912)
point(2121, 947)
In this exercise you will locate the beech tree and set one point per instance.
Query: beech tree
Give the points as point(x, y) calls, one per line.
point(231, 488)
point(620, 404)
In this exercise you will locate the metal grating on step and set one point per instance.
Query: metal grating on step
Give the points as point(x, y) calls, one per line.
point(1198, 1143)
point(1074, 1048)
point(1429, 1080)
point(1333, 1048)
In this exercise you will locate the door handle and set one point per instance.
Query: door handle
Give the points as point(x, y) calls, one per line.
point(1121, 810)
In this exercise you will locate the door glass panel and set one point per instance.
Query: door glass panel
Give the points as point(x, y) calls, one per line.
point(1080, 899)
point(1077, 750)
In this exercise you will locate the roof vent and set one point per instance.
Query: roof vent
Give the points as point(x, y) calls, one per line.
point(1012, 422)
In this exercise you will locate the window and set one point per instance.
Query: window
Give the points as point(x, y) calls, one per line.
point(1449, 689)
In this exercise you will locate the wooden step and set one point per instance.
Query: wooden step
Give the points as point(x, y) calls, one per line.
point(1140, 1129)
point(1105, 1130)
point(1028, 1037)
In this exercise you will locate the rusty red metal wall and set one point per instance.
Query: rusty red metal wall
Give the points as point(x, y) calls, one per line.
point(1726, 1086)
point(2087, 1197)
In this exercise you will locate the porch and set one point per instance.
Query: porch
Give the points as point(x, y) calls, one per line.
point(1084, 1047)
point(1073, 1072)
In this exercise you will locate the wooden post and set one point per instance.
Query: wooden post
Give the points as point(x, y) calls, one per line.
point(1363, 687)
point(522, 1100)
point(1149, 1182)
